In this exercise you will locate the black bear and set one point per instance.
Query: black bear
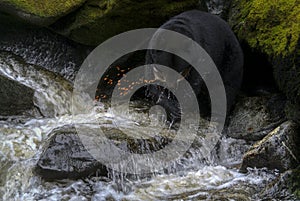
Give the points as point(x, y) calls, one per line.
point(216, 37)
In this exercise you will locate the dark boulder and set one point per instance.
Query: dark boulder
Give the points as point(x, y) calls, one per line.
point(91, 22)
point(66, 157)
point(286, 186)
point(254, 117)
point(278, 150)
point(15, 98)
point(39, 46)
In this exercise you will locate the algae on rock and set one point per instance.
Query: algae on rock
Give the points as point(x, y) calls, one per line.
point(270, 26)
point(273, 28)
point(46, 8)
point(99, 20)
point(91, 22)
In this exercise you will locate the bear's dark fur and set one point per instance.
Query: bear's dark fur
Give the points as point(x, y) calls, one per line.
point(216, 37)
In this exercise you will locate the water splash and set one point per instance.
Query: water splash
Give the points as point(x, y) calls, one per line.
point(195, 176)
point(52, 92)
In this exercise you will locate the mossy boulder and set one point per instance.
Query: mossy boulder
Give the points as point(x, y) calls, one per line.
point(99, 20)
point(273, 28)
point(91, 22)
point(40, 12)
point(270, 26)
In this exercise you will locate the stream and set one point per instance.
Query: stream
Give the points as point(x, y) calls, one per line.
point(23, 138)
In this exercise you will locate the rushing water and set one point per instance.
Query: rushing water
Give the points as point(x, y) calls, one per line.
point(192, 178)
point(22, 143)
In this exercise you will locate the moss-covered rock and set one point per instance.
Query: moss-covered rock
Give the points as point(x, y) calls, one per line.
point(98, 20)
point(287, 76)
point(48, 8)
point(92, 21)
point(273, 28)
point(40, 12)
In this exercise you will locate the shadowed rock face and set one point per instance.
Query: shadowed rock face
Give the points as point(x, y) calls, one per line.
point(66, 157)
point(254, 117)
point(91, 22)
point(278, 150)
point(272, 28)
point(15, 98)
point(41, 47)
point(285, 183)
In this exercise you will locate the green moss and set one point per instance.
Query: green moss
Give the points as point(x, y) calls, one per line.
point(99, 20)
point(272, 26)
point(45, 8)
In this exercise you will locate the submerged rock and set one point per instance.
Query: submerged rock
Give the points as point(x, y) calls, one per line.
point(278, 150)
point(229, 151)
point(66, 157)
point(254, 117)
point(15, 98)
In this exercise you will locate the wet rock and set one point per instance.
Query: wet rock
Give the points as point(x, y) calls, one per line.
point(286, 186)
point(254, 117)
point(229, 151)
point(272, 28)
point(66, 157)
point(51, 92)
point(41, 47)
point(278, 150)
point(15, 98)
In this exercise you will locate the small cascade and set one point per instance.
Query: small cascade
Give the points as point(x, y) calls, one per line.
point(52, 92)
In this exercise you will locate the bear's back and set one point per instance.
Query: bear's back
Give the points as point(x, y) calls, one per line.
point(215, 36)
point(211, 32)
